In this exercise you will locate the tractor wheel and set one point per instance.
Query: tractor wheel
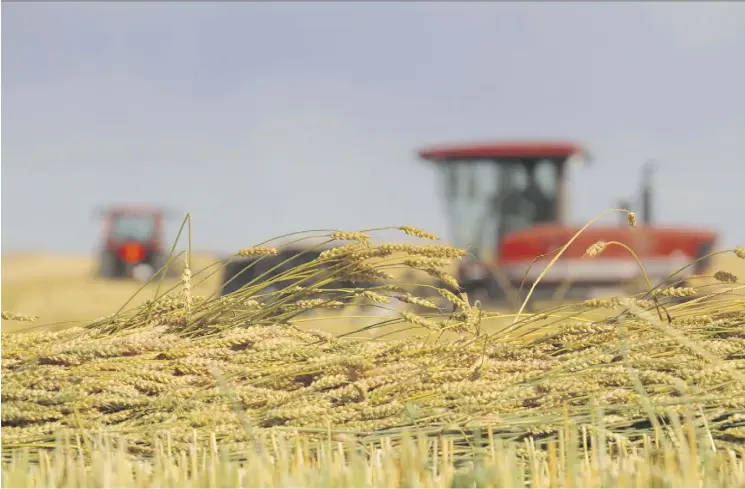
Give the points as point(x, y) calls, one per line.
point(142, 272)
point(157, 262)
point(107, 266)
point(480, 293)
point(236, 274)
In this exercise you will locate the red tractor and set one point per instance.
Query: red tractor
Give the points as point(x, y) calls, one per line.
point(133, 242)
point(507, 204)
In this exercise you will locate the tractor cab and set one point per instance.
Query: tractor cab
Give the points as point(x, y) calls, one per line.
point(137, 227)
point(133, 224)
point(507, 204)
point(493, 190)
point(133, 241)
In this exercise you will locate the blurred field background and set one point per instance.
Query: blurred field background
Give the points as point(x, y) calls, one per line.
point(63, 291)
point(61, 288)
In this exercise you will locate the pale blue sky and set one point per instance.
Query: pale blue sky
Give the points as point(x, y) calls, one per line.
point(266, 118)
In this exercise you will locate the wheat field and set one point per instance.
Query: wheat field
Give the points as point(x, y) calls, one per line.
point(251, 390)
point(62, 288)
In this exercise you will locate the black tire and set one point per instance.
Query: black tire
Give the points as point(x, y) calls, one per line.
point(107, 265)
point(704, 264)
point(158, 261)
point(236, 275)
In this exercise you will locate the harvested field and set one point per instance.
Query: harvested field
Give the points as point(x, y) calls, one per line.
point(636, 375)
point(62, 288)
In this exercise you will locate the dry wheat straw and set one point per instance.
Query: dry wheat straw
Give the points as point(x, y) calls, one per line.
point(257, 251)
point(419, 233)
point(596, 249)
point(11, 316)
point(631, 218)
point(158, 373)
point(725, 276)
point(351, 236)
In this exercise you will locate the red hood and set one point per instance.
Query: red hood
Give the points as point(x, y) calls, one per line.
point(662, 251)
point(646, 241)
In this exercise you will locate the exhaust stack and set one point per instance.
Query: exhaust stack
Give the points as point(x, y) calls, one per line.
point(647, 171)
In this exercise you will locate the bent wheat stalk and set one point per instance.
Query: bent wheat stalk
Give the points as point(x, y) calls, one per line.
point(559, 254)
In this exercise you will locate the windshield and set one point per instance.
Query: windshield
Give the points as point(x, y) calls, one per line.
point(134, 228)
point(488, 199)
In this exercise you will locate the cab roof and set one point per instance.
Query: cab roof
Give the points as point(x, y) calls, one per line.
point(504, 149)
point(133, 209)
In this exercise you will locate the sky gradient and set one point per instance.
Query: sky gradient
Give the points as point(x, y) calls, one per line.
point(267, 118)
